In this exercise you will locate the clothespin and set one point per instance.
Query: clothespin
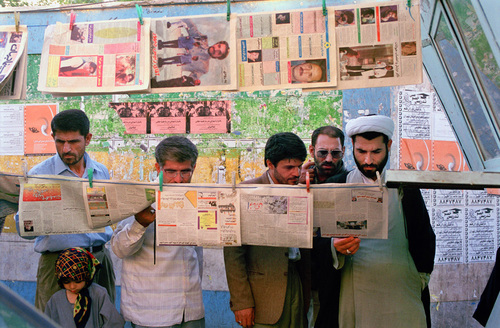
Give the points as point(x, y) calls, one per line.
point(228, 10)
point(16, 20)
point(90, 174)
point(161, 182)
point(72, 18)
point(234, 181)
point(25, 170)
point(139, 13)
point(408, 4)
point(379, 180)
point(308, 181)
point(324, 8)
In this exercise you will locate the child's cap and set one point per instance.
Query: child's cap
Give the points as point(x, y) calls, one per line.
point(76, 264)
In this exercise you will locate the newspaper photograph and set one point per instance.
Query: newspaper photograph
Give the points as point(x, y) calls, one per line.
point(109, 203)
point(378, 44)
point(343, 210)
point(13, 45)
point(286, 49)
point(52, 205)
point(198, 216)
point(189, 54)
point(279, 216)
point(97, 57)
point(175, 116)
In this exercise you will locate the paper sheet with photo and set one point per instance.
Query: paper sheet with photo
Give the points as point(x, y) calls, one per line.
point(16, 84)
point(13, 46)
point(286, 49)
point(194, 53)
point(279, 216)
point(52, 205)
point(378, 44)
point(96, 57)
point(37, 129)
point(343, 210)
point(110, 202)
point(198, 216)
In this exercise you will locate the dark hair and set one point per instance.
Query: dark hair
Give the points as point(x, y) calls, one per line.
point(349, 15)
point(370, 136)
point(284, 145)
point(176, 148)
point(93, 66)
point(329, 130)
point(71, 120)
point(224, 55)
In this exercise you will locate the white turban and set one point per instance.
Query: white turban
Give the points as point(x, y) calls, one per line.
point(373, 123)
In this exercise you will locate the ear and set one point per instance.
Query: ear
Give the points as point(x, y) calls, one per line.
point(389, 143)
point(270, 165)
point(88, 138)
point(311, 150)
point(158, 168)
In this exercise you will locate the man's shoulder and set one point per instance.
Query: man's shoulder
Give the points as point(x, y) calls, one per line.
point(258, 180)
point(45, 167)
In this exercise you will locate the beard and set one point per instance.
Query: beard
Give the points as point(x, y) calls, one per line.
point(71, 160)
point(282, 180)
point(370, 170)
point(329, 171)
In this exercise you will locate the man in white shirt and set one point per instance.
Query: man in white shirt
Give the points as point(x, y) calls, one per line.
point(168, 293)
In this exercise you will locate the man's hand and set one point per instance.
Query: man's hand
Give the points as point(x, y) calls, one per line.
point(307, 167)
point(146, 216)
point(346, 246)
point(245, 317)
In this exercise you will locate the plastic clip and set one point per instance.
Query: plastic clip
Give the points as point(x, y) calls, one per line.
point(228, 10)
point(308, 181)
point(161, 180)
point(16, 20)
point(139, 13)
point(72, 18)
point(408, 4)
point(379, 180)
point(90, 174)
point(234, 181)
point(25, 170)
point(324, 8)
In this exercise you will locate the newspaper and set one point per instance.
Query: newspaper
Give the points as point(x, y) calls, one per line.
point(193, 54)
point(349, 209)
point(109, 203)
point(97, 57)
point(13, 45)
point(276, 216)
point(9, 195)
point(51, 205)
point(378, 44)
point(286, 49)
point(11, 129)
point(200, 216)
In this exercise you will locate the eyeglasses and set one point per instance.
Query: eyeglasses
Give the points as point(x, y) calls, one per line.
point(171, 174)
point(324, 153)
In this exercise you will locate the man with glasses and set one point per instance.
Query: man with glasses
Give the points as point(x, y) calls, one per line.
point(327, 149)
point(168, 293)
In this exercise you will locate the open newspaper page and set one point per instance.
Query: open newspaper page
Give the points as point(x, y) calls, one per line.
point(276, 216)
point(194, 53)
point(110, 202)
point(286, 49)
point(349, 209)
point(52, 205)
point(96, 57)
point(378, 44)
point(198, 216)
point(12, 47)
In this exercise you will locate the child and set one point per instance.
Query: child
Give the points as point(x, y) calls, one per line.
point(80, 303)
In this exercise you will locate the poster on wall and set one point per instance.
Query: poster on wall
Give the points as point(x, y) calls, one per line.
point(286, 49)
point(97, 57)
point(193, 53)
point(172, 117)
point(37, 133)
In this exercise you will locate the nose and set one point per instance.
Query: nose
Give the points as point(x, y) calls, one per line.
point(368, 159)
point(178, 178)
point(66, 147)
point(72, 285)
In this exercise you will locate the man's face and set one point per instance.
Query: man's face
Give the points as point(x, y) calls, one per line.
point(327, 153)
point(286, 171)
point(70, 146)
point(176, 172)
point(306, 72)
point(371, 155)
point(217, 50)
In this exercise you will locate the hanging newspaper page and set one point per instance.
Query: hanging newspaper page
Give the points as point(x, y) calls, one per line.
point(193, 53)
point(276, 216)
point(11, 129)
point(13, 45)
point(378, 44)
point(343, 210)
point(286, 49)
point(110, 202)
point(97, 57)
point(52, 205)
point(194, 215)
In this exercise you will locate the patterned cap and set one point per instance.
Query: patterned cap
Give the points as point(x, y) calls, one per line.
point(76, 264)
